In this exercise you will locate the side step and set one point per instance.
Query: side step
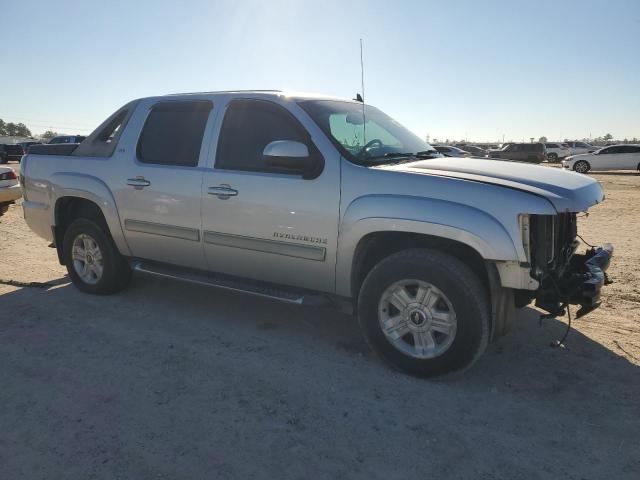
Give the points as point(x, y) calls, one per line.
point(227, 282)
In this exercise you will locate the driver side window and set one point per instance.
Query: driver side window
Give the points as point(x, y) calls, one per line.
point(248, 127)
point(610, 150)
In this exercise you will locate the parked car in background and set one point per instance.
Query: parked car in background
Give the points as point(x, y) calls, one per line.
point(67, 139)
point(11, 152)
point(581, 147)
point(474, 150)
point(26, 145)
point(9, 188)
point(521, 152)
point(557, 151)
point(297, 206)
point(451, 151)
point(616, 157)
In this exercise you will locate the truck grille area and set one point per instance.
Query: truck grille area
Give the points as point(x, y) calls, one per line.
point(553, 243)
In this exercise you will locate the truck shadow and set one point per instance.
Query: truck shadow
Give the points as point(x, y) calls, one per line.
point(523, 358)
point(171, 364)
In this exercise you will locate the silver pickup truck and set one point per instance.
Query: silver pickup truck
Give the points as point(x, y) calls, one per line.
point(313, 199)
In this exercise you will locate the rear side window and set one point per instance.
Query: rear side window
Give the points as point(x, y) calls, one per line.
point(629, 149)
point(172, 134)
point(551, 145)
point(248, 127)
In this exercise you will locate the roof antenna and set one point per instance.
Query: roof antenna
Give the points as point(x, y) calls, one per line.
point(361, 97)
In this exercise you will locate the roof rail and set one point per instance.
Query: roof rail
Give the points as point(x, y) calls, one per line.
point(224, 91)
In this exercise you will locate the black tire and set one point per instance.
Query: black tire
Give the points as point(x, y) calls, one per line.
point(116, 272)
point(581, 166)
point(552, 158)
point(455, 280)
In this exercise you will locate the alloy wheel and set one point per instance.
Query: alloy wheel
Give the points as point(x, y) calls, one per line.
point(87, 259)
point(417, 318)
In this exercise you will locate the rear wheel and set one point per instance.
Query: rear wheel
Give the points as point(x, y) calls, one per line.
point(581, 166)
point(92, 259)
point(424, 312)
point(552, 157)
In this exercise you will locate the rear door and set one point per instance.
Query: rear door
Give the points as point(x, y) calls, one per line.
point(159, 192)
point(630, 157)
point(263, 223)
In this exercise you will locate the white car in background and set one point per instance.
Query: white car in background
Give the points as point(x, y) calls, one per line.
point(450, 151)
point(581, 147)
point(557, 151)
point(615, 157)
point(10, 190)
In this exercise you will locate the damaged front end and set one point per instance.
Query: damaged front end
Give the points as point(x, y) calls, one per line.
point(565, 277)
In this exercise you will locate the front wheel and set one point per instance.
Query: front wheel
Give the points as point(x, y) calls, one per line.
point(581, 166)
point(92, 259)
point(425, 312)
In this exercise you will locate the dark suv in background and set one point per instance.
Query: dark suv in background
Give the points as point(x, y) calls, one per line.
point(521, 152)
point(11, 152)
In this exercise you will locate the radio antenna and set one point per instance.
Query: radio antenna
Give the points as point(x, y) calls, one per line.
point(364, 121)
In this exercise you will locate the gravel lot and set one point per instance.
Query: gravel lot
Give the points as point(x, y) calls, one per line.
point(171, 380)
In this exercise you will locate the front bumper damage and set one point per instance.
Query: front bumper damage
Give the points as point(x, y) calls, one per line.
point(580, 283)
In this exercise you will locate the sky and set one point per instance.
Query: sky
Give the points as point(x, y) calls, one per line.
point(476, 70)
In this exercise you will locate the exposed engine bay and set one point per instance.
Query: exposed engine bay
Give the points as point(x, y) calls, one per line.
point(566, 277)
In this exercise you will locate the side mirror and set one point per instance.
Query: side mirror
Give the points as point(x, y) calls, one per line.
point(290, 155)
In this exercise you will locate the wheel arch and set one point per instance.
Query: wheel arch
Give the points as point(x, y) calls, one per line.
point(425, 221)
point(375, 246)
point(79, 195)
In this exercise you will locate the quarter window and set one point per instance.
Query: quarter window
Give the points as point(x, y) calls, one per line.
point(248, 127)
point(172, 134)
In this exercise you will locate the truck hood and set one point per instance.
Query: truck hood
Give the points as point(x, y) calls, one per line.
point(567, 191)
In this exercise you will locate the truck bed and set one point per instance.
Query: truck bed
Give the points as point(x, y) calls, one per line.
point(53, 149)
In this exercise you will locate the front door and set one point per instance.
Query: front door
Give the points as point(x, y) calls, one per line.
point(265, 223)
point(609, 158)
point(160, 195)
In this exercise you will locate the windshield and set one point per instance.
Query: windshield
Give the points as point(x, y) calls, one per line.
point(377, 140)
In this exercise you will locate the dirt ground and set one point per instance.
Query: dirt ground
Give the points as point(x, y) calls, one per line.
point(171, 380)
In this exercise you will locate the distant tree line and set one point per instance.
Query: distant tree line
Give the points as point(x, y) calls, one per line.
point(14, 129)
point(49, 134)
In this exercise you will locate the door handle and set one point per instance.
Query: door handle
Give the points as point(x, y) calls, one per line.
point(138, 182)
point(224, 191)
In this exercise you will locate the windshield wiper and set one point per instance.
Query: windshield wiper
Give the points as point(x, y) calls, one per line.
point(390, 155)
point(402, 155)
point(428, 154)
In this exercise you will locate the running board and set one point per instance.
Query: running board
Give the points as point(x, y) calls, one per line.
point(226, 282)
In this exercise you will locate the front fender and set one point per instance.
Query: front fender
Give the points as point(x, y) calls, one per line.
point(418, 215)
point(69, 184)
